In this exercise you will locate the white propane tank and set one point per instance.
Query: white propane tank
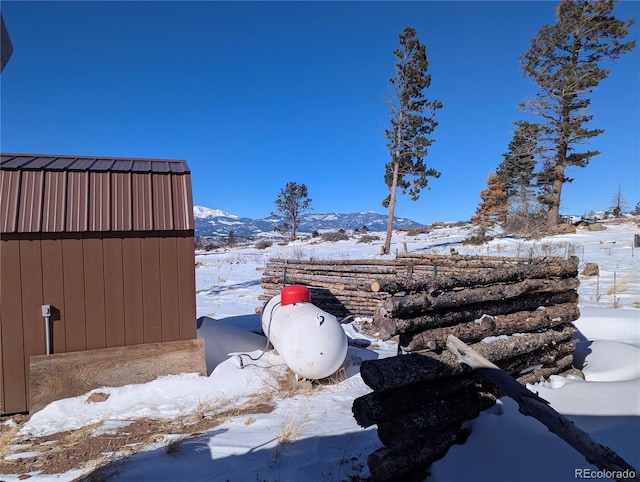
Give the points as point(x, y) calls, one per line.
point(310, 340)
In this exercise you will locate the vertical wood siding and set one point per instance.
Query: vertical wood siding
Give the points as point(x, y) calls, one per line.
point(12, 350)
point(113, 290)
point(53, 289)
point(81, 275)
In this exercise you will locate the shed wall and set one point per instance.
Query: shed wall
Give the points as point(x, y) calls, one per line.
point(81, 275)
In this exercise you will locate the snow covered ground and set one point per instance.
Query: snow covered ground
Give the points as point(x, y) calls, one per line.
point(312, 435)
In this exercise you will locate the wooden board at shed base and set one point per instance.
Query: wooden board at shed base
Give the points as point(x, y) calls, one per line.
point(64, 375)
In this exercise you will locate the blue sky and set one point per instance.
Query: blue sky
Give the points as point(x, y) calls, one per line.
point(256, 94)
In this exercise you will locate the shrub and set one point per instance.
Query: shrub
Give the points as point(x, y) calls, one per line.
point(334, 236)
point(264, 244)
point(417, 231)
point(368, 238)
point(476, 240)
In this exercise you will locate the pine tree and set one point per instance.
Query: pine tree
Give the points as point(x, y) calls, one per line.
point(493, 208)
point(565, 61)
point(410, 127)
point(517, 170)
point(292, 201)
point(231, 238)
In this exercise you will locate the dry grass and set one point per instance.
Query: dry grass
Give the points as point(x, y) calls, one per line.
point(7, 438)
point(292, 429)
point(622, 285)
point(96, 454)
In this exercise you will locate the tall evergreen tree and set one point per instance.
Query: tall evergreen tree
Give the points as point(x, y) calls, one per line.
point(292, 201)
point(517, 170)
point(565, 60)
point(412, 121)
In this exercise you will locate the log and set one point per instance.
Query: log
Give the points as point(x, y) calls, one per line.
point(427, 257)
point(541, 269)
point(547, 356)
point(322, 290)
point(532, 405)
point(320, 281)
point(395, 372)
point(443, 317)
point(522, 321)
point(560, 366)
point(385, 465)
point(375, 406)
point(400, 432)
point(333, 269)
point(334, 262)
point(400, 305)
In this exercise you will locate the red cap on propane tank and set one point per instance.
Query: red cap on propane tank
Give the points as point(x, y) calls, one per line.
point(294, 294)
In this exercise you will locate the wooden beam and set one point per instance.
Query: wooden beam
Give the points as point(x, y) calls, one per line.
point(530, 404)
point(64, 375)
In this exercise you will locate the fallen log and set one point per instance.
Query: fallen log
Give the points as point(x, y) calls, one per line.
point(401, 305)
point(487, 325)
point(385, 465)
point(395, 372)
point(399, 433)
point(532, 405)
point(375, 406)
point(389, 326)
point(543, 268)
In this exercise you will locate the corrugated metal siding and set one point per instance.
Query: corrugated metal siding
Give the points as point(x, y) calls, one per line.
point(121, 201)
point(54, 202)
point(9, 193)
point(142, 202)
point(77, 201)
point(30, 208)
point(43, 193)
point(162, 203)
point(182, 203)
point(99, 202)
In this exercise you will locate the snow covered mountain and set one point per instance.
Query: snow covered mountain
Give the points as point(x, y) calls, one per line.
point(214, 222)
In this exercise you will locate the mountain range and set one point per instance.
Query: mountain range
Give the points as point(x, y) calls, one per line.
point(214, 222)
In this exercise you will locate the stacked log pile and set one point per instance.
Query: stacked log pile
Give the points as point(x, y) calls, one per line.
point(340, 287)
point(518, 316)
point(495, 298)
point(515, 312)
point(421, 400)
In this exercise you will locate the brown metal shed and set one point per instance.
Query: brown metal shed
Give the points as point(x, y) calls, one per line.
point(107, 242)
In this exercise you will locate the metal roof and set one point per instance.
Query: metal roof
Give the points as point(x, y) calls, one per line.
point(48, 193)
point(87, 163)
